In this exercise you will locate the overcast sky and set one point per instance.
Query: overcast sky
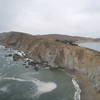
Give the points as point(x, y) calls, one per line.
point(71, 17)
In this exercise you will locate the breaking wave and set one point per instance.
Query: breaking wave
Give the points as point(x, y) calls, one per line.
point(78, 90)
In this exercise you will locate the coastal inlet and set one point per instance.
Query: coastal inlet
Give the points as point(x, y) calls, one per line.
point(18, 82)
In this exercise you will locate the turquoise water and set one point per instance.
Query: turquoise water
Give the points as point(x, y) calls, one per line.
point(91, 45)
point(20, 83)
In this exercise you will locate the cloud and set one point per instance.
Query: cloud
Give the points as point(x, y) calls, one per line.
point(70, 17)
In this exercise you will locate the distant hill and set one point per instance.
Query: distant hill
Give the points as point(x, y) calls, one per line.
point(72, 38)
point(54, 37)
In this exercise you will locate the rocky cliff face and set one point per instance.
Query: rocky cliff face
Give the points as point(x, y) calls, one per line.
point(58, 54)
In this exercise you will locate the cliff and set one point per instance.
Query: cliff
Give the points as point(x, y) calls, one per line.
point(57, 54)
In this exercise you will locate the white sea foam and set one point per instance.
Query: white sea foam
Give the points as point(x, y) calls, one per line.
point(21, 53)
point(13, 78)
point(4, 89)
point(28, 59)
point(42, 87)
point(78, 90)
point(2, 47)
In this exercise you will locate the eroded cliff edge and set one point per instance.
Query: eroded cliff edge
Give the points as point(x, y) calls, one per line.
point(57, 54)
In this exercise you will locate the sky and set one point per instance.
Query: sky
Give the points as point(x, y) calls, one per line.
point(70, 17)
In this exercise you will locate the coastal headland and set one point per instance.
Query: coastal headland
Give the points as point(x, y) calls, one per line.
point(62, 53)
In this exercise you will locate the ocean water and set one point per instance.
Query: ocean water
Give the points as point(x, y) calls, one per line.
point(91, 45)
point(20, 83)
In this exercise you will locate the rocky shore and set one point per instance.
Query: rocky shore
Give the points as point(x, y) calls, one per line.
point(78, 80)
point(88, 92)
point(47, 52)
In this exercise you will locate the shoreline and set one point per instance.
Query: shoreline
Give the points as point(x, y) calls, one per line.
point(88, 92)
point(77, 95)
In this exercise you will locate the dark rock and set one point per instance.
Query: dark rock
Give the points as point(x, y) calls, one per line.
point(9, 55)
point(26, 66)
point(17, 57)
point(67, 42)
point(36, 68)
point(31, 63)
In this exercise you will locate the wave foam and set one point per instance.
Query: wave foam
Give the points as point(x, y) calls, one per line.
point(3, 89)
point(42, 87)
point(13, 78)
point(78, 90)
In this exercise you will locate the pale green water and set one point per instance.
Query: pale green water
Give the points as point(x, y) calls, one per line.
point(20, 83)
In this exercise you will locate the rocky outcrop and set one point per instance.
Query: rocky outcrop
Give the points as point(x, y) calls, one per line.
point(17, 57)
point(58, 54)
